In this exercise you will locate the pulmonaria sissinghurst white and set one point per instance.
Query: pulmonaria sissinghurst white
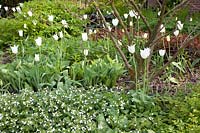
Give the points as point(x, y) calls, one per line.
point(145, 53)
point(125, 15)
point(168, 38)
point(30, 13)
point(20, 33)
point(179, 25)
point(162, 52)
point(38, 41)
point(55, 37)
point(84, 36)
point(162, 28)
point(115, 22)
point(50, 18)
point(131, 49)
point(85, 52)
point(176, 33)
point(14, 49)
point(37, 57)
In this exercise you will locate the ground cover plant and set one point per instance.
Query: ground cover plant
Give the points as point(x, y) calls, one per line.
point(71, 66)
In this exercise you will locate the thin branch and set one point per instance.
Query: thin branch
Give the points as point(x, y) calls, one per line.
point(121, 22)
point(141, 15)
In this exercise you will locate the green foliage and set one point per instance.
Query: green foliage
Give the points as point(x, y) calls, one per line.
point(98, 109)
point(105, 71)
point(61, 10)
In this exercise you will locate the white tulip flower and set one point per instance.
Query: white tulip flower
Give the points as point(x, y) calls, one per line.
point(84, 36)
point(168, 38)
point(162, 52)
point(50, 18)
point(176, 33)
point(132, 13)
point(37, 57)
point(125, 15)
point(20, 33)
point(159, 13)
point(38, 41)
point(145, 35)
point(18, 9)
point(131, 23)
point(115, 22)
point(162, 28)
point(25, 26)
point(145, 53)
point(14, 49)
point(61, 34)
point(6, 8)
point(131, 49)
point(13, 9)
point(85, 52)
point(85, 16)
point(55, 37)
point(30, 13)
point(179, 25)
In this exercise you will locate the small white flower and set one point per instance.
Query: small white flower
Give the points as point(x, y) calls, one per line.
point(64, 23)
point(115, 22)
point(84, 36)
point(145, 35)
point(18, 9)
point(30, 13)
point(168, 38)
point(131, 23)
point(176, 33)
point(159, 13)
point(176, 18)
point(131, 49)
point(13, 9)
point(1, 116)
point(20, 33)
point(85, 52)
point(61, 34)
point(25, 26)
point(34, 22)
point(162, 52)
point(190, 19)
point(37, 57)
point(145, 53)
point(14, 49)
point(179, 25)
point(125, 15)
point(85, 16)
point(50, 18)
point(95, 31)
point(6, 8)
point(123, 31)
point(109, 28)
point(0, 6)
point(162, 28)
point(55, 37)
point(38, 41)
